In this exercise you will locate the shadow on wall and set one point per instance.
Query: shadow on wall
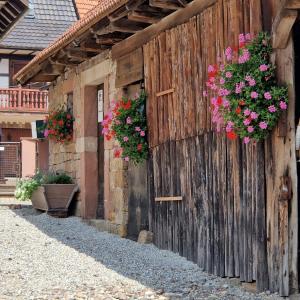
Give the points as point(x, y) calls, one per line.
point(154, 268)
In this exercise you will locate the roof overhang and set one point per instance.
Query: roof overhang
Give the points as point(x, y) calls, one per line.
point(10, 13)
point(120, 25)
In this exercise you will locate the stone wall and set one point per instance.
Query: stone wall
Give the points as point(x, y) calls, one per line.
point(80, 157)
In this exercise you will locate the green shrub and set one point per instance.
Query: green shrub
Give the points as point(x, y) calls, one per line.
point(25, 188)
point(56, 178)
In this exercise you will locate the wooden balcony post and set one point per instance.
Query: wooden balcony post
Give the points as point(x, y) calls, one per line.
point(19, 96)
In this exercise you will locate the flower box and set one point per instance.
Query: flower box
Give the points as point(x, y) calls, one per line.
point(55, 199)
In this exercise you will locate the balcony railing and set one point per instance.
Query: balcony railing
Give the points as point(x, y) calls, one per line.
point(23, 100)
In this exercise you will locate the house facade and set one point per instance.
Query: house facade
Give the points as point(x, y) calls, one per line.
point(19, 106)
point(229, 207)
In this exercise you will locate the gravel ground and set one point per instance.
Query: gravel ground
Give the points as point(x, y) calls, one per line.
point(46, 258)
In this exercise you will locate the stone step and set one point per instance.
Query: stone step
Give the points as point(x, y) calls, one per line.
point(7, 193)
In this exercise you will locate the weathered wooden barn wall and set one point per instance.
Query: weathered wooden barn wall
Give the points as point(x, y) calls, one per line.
point(222, 221)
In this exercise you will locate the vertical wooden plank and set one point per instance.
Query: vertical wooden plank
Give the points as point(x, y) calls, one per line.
point(261, 230)
point(248, 232)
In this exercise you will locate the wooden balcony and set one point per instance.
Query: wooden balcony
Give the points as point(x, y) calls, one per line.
point(23, 100)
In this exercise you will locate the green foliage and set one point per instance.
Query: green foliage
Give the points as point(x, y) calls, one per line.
point(25, 189)
point(126, 121)
point(249, 101)
point(56, 178)
point(59, 125)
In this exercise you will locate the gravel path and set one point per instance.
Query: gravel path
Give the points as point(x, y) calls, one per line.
point(46, 258)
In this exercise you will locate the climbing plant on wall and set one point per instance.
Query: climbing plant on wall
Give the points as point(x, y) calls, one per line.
point(246, 99)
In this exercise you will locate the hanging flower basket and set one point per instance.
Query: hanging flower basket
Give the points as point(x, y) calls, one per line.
point(247, 101)
point(126, 122)
point(58, 126)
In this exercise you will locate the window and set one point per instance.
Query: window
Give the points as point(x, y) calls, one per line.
point(4, 73)
point(70, 102)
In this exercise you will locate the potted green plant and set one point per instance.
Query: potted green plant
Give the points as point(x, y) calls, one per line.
point(52, 192)
point(59, 190)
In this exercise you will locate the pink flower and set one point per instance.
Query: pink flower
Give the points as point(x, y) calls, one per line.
point(228, 74)
point(205, 93)
point(223, 92)
point(118, 122)
point(110, 115)
point(226, 103)
point(138, 129)
point(211, 69)
point(254, 95)
point(272, 108)
point(242, 38)
point(222, 67)
point(105, 130)
point(253, 115)
point(228, 53)
point(268, 95)
point(246, 140)
point(228, 128)
point(222, 80)
point(263, 125)
point(46, 133)
point(238, 89)
point(248, 37)
point(247, 122)
point(283, 105)
point(142, 133)
point(252, 82)
point(128, 120)
point(250, 129)
point(126, 158)
point(263, 68)
point(247, 112)
point(244, 57)
point(125, 139)
point(248, 78)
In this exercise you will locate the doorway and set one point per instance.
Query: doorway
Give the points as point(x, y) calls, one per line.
point(100, 154)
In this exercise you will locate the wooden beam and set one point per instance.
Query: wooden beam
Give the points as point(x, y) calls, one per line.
point(183, 2)
point(160, 199)
point(118, 14)
point(167, 4)
point(166, 92)
point(52, 69)
point(63, 62)
point(107, 40)
point(145, 17)
point(130, 68)
point(292, 4)
point(133, 4)
point(172, 20)
point(77, 54)
point(282, 27)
